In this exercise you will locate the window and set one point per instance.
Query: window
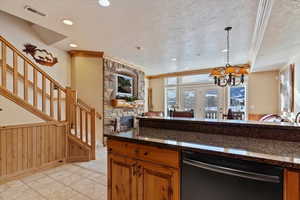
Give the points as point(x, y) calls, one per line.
point(200, 78)
point(171, 96)
point(237, 99)
point(171, 81)
point(211, 104)
point(211, 100)
point(189, 99)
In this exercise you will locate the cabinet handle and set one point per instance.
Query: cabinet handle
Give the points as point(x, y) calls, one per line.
point(136, 151)
point(146, 153)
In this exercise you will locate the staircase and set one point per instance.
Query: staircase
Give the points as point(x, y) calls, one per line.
point(27, 85)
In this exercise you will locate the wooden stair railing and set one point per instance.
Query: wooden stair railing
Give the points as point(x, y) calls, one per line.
point(24, 83)
point(82, 119)
point(32, 89)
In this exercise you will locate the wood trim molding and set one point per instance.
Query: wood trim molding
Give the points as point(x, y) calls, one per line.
point(6, 93)
point(81, 53)
point(262, 20)
point(48, 123)
point(190, 72)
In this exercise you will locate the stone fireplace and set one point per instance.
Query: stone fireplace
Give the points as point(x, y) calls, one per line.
point(118, 119)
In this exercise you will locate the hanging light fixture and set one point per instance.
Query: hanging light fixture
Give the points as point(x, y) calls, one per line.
point(229, 75)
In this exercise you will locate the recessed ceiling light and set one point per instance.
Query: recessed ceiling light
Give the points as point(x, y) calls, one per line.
point(104, 3)
point(225, 50)
point(174, 59)
point(67, 22)
point(73, 45)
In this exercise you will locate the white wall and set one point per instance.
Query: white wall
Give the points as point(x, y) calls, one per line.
point(158, 91)
point(14, 115)
point(87, 80)
point(263, 93)
point(19, 32)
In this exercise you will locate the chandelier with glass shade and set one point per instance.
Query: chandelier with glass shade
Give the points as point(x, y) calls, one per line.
point(229, 75)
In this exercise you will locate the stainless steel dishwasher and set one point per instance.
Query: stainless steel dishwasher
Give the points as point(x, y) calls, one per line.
point(210, 177)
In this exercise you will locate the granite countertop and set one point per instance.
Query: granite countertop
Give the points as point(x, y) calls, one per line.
point(280, 153)
point(282, 125)
point(282, 131)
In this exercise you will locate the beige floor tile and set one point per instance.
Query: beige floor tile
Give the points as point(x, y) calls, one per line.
point(60, 174)
point(79, 196)
point(90, 188)
point(40, 182)
point(3, 187)
point(74, 178)
point(80, 181)
point(16, 183)
point(62, 193)
point(14, 192)
point(33, 177)
point(99, 178)
point(30, 195)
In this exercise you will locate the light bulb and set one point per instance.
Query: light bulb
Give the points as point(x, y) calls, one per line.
point(104, 3)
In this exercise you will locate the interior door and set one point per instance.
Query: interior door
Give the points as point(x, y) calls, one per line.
point(213, 103)
point(189, 99)
point(206, 101)
point(124, 188)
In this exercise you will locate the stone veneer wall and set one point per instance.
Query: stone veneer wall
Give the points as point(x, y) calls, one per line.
point(111, 114)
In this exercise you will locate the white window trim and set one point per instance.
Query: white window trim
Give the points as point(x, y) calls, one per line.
point(246, 99)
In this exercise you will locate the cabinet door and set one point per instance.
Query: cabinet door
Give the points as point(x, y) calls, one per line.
point(122, 182)
point(157, 183)
point(291, 185)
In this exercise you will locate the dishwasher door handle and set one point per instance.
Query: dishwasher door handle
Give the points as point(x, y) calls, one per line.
point(233, 172)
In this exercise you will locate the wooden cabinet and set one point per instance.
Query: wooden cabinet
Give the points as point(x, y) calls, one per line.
point(121, 178)
point(291, 185)
point(157, 182)
point(139, 172)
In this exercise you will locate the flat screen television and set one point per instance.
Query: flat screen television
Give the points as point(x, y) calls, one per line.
point(124, 86)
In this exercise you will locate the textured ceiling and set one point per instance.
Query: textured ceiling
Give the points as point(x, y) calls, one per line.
point(189, 30)
point(281, 40)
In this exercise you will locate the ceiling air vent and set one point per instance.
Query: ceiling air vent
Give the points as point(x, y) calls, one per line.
point(30, 9)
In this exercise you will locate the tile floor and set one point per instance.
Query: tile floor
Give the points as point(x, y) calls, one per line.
point(79, 181)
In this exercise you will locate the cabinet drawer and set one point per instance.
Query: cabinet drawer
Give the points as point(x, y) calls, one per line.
point(145, 152)
point(123, 148)
point(158, 155)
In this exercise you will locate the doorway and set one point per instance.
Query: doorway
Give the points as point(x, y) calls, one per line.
point(206, 101)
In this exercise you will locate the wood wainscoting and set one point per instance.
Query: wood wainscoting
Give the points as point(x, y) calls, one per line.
point(27, 148)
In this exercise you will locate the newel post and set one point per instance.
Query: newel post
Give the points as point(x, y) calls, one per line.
point(93, 133)
point(71, 100)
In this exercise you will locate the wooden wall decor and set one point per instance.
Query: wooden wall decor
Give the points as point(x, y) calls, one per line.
point(40, 56)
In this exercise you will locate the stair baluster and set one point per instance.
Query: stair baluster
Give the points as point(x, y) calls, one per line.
point(39, 89)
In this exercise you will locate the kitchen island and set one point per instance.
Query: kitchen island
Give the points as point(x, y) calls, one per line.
point(146, 163)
